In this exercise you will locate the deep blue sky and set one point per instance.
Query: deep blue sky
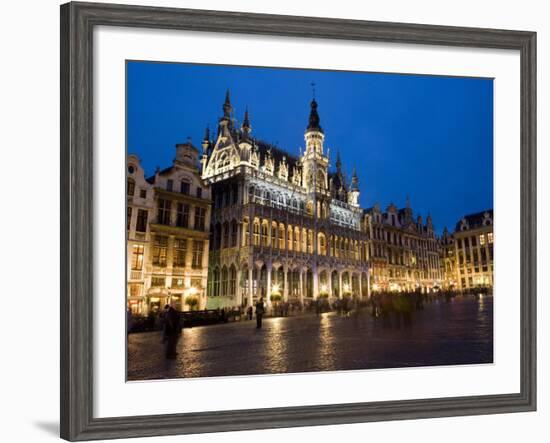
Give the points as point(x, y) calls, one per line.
point(424, 136)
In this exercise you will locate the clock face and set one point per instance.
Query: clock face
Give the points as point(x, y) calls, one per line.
point(131, 169)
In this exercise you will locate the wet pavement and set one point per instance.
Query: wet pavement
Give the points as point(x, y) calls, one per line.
point(458, 332)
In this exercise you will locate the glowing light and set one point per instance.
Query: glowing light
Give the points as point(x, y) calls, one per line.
point(275, 289)
point(324, 288)
point(193, 290)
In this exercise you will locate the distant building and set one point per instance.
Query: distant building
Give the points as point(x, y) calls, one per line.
point(448, 261)
point(473, 241)
point(404, 252)
point(168, 234)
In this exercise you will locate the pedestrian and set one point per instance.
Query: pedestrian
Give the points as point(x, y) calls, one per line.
point(250, 312)
point(260, 310)
point(171, 332)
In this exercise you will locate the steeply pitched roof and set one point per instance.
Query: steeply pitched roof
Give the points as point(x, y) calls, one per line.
point(474, 220)
point(277, 153)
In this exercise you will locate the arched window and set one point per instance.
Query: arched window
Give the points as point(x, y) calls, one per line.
point(274, 234)
point(224, 281)
point(232, 281)
point(297, 239)
point(256, 232)
point(265, 228)
point(321, 243)
point(245, 233)
point(310, 241)
point(304, 240)
point(234, 227)
point(216, 283)
point(281, 236)
point(289, 237)
point(225, 238)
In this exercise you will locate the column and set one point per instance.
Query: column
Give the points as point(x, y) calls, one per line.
point(360, 286)
point(285, 289)
point(368, 283)
point(340, 285)
point(268, 289)
point(329, 282)
point(238, 289)
point(250, 287)
point(301, 286)
point(315, 275)
point(239, 234)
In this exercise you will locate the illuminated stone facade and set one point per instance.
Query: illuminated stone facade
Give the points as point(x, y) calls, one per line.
point(168, 224)
point(472, 258)
point(284, 227)
point(404, 251)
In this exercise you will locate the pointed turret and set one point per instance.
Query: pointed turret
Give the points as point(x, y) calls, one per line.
point(314, 120)
point(338, 162)
point(206, 140)
point(245, 127)
point(354, 181)
point(227, 106)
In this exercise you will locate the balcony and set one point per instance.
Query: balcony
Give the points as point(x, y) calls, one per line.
point(136, 275)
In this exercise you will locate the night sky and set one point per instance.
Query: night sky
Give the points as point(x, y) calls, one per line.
point(428, 137)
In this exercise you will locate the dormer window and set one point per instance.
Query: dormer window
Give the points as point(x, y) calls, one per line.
point(169, 185)
point(185, 187)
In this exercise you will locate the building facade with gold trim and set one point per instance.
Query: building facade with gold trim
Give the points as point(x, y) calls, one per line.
point(168, 234)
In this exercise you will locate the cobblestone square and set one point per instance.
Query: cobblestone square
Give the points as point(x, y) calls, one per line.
point(453, 333)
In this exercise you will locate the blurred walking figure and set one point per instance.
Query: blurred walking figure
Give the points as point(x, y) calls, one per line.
point(171, 331)
point(250, 312)
point(260, 310)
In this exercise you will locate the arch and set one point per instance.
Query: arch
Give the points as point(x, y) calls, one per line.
point(216, 282)
point(265, 231)
point(256, 231)
point(308, 283)
point(355, 284)
point(274, 234)
point(217, 235)
point(282, 238)
point(321, 244)
point(232, 280)
point(225, 236)
point(233, 233)
point(346, 283)
point(323, 283)
point(224, 282)
point(335, 279)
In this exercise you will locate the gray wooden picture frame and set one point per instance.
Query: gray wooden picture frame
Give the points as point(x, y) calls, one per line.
point(77, 216)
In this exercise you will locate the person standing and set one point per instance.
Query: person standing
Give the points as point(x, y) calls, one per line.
point(171, 332)
point(260, 310)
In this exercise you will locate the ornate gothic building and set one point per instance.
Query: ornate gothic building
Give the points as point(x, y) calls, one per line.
point(283, 227)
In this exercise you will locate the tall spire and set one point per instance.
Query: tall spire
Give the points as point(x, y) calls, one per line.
point(227, 105)
point(314, 119)
point(338, 161)
point(354, 181)
point(246, 122)
point(206, 139)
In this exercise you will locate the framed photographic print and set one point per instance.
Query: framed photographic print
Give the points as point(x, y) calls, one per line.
point(274, 221)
